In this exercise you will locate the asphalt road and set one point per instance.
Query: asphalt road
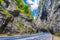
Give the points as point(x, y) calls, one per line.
point(42, 36)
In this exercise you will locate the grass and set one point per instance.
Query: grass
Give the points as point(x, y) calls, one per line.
point(57, 34)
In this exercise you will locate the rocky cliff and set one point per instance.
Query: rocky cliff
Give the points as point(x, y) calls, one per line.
point(48, 16)
point(13, 20)
point(15, 17)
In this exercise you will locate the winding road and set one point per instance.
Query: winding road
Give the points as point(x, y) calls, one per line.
point(42, 36)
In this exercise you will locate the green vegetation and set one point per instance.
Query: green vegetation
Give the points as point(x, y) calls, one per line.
point(23, 8)
point(20, 6)
point(1, 1)
point(41, 3)
point(24, 29)
point(25, 11)
point(57, 34)
point(52, 17)
point(5, 12)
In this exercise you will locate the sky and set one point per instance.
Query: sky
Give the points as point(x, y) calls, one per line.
point(33, 6)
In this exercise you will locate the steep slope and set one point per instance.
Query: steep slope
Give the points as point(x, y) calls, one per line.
point(48, 15)
point(16, 17)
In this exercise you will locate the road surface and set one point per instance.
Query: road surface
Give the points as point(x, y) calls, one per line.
point(42, 36)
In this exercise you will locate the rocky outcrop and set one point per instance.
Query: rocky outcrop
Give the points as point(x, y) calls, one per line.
point(17, 22)
point(47, 18)
point(52, 11)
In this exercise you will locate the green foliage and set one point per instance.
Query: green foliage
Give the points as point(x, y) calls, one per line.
point(5, 12)
point(23, 29)
point(20, 6)
point(1, 8)
point(19, 26)
point(41, 3)
point(23, 8)
point(57, 34)
point(1, 1)
point(29, 29)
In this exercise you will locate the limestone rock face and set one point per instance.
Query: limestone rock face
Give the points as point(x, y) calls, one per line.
point(55, 24)
point(17, 22)
point(52, 9)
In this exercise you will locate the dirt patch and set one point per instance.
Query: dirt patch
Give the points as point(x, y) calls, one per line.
point(56, 38)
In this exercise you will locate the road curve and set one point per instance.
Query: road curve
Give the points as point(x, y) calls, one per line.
point(42, 36)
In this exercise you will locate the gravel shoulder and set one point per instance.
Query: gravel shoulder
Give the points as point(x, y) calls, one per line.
point(56, 38)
